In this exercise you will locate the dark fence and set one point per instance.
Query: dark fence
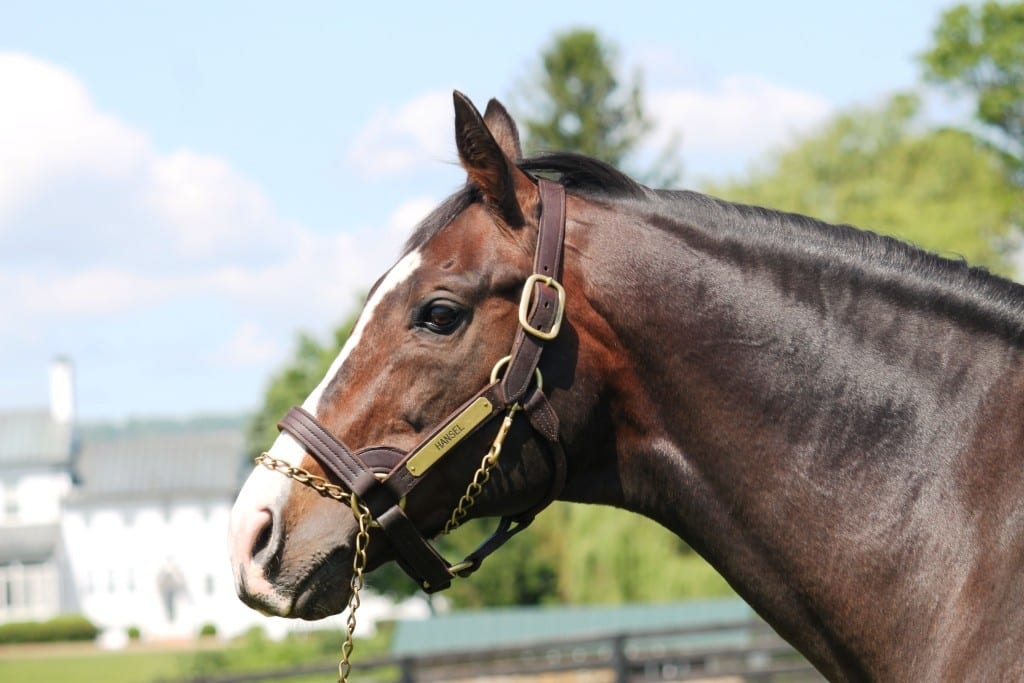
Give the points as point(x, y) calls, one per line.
point(730, 651)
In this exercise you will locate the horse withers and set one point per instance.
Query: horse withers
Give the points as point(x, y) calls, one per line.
point(830, 417)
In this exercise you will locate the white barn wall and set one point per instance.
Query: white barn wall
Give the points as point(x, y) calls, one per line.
point(143, 504)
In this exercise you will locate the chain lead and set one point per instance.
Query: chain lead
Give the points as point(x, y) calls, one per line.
point(356, 584)
point(365, 521)
point(482, 475)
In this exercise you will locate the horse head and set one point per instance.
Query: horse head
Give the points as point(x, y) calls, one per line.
point(433, 331)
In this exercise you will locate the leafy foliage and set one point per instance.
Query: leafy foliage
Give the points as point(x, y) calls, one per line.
point(68, 627)
point(583, 554)
point(881, 169)
point(521, 573)
point(578, 102)
point(979, 50)
point(293, 383)
point(618, 556)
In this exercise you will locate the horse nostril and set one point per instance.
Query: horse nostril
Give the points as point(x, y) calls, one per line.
point(262, 538)
point(266, 541)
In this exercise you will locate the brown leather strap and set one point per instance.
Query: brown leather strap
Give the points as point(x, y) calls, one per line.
point(551, 238)
point(414, 553)
point(526, 349)
point(417, 557)
point(331, 453)
point(544, 421)
point(507, 528)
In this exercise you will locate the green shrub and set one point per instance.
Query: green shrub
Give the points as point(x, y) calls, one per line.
point(134, 633)
point(207, 630)
point(63, 628)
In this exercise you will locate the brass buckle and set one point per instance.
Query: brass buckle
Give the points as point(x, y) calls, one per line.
point(457, 569)
point(524, 306)
point(504, 361)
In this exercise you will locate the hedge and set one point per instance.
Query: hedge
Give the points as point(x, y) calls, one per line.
point(62, 628)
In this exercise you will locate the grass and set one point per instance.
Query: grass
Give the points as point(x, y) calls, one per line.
point(144, 663)
point(59, 662)
point(82, 663)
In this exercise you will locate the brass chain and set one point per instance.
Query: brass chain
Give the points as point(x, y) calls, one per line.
point(363, 519)
point(356, 584)
point(482, 474)
point(318, 484)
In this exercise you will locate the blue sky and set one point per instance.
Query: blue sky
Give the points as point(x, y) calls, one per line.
point(174, 177)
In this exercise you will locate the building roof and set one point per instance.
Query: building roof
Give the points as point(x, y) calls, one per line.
point(160, 466)
point(28, 543)
point(514, 626)
point(33, 438)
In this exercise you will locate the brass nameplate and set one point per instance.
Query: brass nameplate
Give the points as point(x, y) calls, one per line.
point(452, 433)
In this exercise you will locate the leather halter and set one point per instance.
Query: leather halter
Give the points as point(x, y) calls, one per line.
point(382, 477)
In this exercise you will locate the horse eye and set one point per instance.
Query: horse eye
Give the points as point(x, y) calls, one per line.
point(441, 317)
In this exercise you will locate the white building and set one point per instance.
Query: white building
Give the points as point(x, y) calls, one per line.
point(145, 532)
point(129, 527)
point(37, 451)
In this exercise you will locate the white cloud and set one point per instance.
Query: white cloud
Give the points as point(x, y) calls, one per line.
point(211, 210)
point(81, 189)
point(727, 120)
point(736, 114)
point(398, 140)
point(250, 345)
point(54, 293)
point(49, 128)
point(105, 240)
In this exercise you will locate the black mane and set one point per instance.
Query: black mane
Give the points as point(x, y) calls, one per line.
point(971, 293)
point(585, 175)
point(934, 282)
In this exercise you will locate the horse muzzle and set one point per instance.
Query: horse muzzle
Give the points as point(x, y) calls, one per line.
point(294, 573)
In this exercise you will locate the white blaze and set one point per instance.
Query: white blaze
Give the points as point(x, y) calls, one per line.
point(265, 489)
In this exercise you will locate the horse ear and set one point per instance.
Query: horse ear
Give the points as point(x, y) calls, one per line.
point(504, 130)
point(488, 149)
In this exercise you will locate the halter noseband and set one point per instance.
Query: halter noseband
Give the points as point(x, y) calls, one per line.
point(380, 478)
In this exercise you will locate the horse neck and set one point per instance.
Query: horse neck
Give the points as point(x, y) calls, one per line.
point(795, 427)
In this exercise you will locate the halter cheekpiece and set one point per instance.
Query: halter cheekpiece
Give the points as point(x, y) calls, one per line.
point(378, 479)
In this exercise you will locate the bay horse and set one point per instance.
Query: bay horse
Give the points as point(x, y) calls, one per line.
point(832, 418)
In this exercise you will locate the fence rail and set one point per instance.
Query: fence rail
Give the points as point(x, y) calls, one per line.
point(745, 650)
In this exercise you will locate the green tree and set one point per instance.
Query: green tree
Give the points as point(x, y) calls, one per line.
point(579, 103)
point(883, 169)
point(616, 556)
point(582, 554)
point(290, 385)
point(979, 51)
